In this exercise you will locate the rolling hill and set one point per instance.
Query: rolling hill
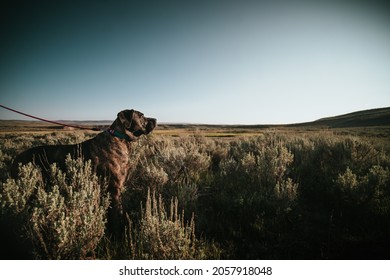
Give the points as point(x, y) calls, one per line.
point(373, 117)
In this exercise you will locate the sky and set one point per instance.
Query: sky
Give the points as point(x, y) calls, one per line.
point(211, 62)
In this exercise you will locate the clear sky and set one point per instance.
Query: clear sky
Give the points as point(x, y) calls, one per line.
point(216, 62)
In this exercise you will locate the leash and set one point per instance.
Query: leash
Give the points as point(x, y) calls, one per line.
point(108, 130)
point(53, 122)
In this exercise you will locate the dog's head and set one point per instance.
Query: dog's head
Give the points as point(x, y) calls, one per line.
point(134, 123)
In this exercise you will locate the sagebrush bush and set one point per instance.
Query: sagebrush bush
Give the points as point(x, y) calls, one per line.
point(16, 195)
point(251, 193)
point(64, 218)
point(171, 168)
point(166, 235)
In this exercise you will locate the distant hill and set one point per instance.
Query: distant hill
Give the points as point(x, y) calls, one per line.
point(373, 117)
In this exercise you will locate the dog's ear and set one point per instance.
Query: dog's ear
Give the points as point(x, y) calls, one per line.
point(126, 117)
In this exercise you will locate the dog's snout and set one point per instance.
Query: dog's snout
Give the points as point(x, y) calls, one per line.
point(152, 123)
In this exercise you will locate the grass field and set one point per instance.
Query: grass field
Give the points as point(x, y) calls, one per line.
point(374, 132)
point(309, 191)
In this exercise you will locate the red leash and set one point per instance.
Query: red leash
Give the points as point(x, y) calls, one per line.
point(53, 122)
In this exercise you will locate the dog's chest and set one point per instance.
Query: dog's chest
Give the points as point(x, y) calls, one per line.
point(118, 153)
point(110, 154)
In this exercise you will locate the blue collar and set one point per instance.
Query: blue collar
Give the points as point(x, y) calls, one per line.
point(118, 134)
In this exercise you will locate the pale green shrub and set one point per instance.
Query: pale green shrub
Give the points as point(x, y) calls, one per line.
point(347, 180)
point(286, 190)
point(16, 195)
point(377, 183)
point(64, 219)
point(163, 235)
point(183, 161)
point(260, 164)
point(173, 168)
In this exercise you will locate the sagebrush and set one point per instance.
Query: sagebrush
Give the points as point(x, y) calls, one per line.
point(274, 196)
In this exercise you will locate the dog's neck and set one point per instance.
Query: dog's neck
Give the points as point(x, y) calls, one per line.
point(117, 130)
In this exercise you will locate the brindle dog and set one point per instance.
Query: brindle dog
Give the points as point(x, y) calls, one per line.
point(109, 153)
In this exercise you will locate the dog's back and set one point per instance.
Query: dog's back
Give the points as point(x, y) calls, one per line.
point(44, 156)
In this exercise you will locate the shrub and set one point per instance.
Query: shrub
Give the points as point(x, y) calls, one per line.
point(63, 219)
point(251, 194)
point(170, 168)
point(163, 235)
point(16, 195)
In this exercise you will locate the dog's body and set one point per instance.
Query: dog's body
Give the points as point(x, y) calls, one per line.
point(109, 152)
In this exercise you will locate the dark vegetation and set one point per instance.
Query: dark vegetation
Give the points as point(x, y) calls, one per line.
point(199, 192)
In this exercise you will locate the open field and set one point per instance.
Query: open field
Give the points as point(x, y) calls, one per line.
point(380, 132)
point(374, 133)
point(201, 191)
point(370, 123)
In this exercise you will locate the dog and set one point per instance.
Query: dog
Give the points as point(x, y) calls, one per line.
point(109, 152)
